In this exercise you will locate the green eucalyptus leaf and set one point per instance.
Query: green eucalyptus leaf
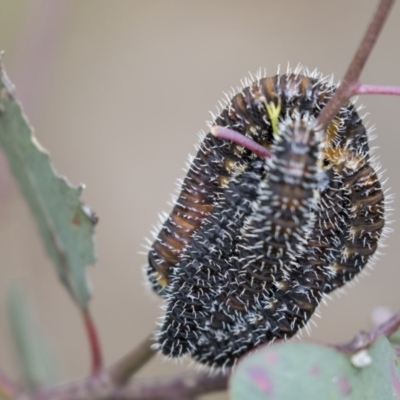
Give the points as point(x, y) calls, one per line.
point(304, 371)
point(65, 225)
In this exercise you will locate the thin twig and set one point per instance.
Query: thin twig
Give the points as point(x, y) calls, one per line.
point(106, 382)
point(187, 386)
point(123, 369)
point(184, 386)
point(365, 339)
point(8, 388)
point(360, 88)
point(236, 137)
point(344, 92)
point(94, 343)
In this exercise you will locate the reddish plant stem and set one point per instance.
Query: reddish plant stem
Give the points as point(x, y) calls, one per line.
point(365, 339)
point(8, 388)
point(236, 137)
point(360, 88)
point(94, 343)
point(352, 75)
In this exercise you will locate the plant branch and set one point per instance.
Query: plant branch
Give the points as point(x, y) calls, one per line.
point(236, 137)
point(128, 365)
point(186, 386)
point(182, 387)
point(345, 90)
point(109, 383)
point(364, 339)
point(106, 382)
point(360, 88)
point(8, 388)
point(94, 343)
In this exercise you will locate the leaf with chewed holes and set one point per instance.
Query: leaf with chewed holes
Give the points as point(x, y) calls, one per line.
point(303, 371)
point(65, 225)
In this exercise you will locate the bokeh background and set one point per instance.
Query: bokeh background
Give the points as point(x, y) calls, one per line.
point(117, 91)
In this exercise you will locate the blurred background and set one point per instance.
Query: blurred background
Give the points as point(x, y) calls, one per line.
point(117, 92)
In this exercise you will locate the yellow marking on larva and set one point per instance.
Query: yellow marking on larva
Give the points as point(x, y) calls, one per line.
point(273, 112)
point(335, 155)
point(332, 131)
point(161, 280)
point(340, 157)
point(337, 267)
point(223, 180)
point(329, 153)
point(229, 164)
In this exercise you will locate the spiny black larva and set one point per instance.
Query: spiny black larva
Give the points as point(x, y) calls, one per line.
point(252, 245)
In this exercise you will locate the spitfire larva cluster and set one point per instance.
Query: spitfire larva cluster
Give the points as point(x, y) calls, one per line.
point(252, 245)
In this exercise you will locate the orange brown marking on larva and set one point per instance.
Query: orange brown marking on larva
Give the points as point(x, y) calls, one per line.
point(265, 239)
